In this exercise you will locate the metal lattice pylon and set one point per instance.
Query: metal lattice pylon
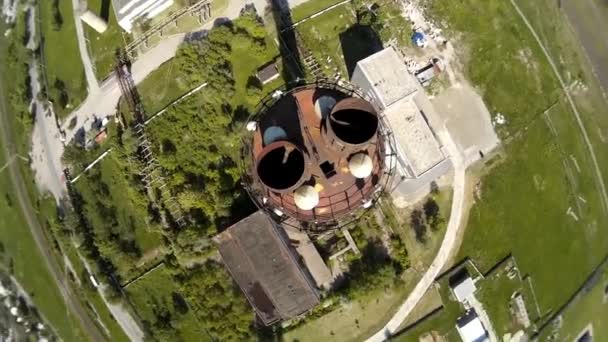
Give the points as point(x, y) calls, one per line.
point(151, 171)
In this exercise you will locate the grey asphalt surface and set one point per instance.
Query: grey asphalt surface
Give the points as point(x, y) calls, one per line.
point(76, 308)
point(589, 20)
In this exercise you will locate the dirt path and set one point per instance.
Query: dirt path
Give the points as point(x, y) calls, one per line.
point(75, 307)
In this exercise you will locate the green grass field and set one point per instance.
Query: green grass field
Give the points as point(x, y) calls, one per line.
point(102, 47)
point(592, 310)
point(20, 254)
point(309, 8)
point(564, 46)
point(153, 296)
point(526, 197)
point(161, 87)
point(62, 56)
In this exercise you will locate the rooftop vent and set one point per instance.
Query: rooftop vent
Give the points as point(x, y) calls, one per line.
point(281, 166)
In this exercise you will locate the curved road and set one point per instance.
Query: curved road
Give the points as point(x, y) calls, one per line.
point(76, 308)
point(444, 251)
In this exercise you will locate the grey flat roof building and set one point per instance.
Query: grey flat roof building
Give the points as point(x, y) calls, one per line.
point(260, 260)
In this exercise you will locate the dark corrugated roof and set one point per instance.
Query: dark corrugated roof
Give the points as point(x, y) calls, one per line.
point(268, 72)
point(257, 256)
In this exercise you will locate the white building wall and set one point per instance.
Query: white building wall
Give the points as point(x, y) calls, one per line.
point(130, 11)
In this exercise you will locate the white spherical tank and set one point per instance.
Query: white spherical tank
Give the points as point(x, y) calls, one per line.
point(360, 165)
point(306, 197)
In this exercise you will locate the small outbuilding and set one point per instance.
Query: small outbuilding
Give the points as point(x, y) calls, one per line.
point(470, 328)
point(268, 73)
point(462, 285)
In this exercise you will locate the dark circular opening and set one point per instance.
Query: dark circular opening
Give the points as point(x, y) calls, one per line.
point(281, 168)
point(354, 126)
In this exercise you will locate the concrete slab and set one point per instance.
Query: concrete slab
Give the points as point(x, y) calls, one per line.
point(467, 120)
point(311, 258)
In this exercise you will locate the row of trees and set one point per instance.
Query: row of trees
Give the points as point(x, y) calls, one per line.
point(426, 217)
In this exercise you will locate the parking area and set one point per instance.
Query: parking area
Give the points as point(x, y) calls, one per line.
point(467, 120)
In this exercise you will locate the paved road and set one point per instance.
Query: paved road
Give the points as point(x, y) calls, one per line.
point(77, 310)
point(445, 250)
point(589, 20)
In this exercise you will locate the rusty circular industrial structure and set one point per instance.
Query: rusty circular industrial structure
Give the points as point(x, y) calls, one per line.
point(317, 154)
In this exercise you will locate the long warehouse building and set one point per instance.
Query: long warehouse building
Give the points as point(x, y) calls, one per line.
point(257, 254)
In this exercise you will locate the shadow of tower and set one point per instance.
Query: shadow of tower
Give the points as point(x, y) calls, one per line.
point(293, 68)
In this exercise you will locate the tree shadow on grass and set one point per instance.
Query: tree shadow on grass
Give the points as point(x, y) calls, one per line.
point(358, 42)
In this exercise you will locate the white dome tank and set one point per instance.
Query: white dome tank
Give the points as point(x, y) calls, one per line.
point(306, 197)
point(360, 165)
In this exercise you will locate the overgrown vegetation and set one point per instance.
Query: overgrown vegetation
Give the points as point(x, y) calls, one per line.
point(197, 141)
point(120, 224)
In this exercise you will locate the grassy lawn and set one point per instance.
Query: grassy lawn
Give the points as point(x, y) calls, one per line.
point(321, 36)
point(154, 298)
point(553, 28)
point(119, 215)
point(102, 47)
point(503, 223)
point(591, 309)
point(20, 254)
point(64, 70)
point(311, 7)
point(524, 200)
point(161, 87)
